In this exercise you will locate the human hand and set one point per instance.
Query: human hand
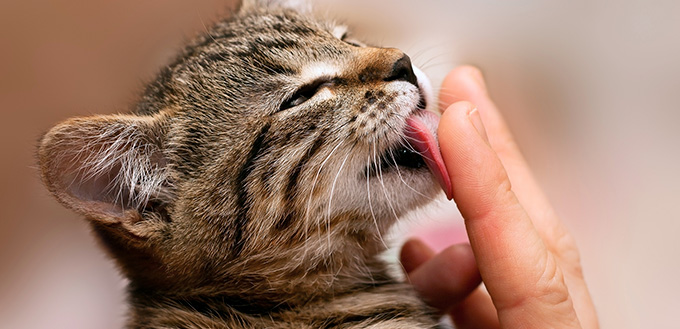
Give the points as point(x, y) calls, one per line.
point(528, 261)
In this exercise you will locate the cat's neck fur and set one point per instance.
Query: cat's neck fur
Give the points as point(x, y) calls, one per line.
point(309, 265)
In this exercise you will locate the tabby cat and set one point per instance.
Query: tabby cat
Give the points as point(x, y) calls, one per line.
point(252, 183)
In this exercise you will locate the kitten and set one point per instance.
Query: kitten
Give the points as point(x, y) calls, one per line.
point(252, 183)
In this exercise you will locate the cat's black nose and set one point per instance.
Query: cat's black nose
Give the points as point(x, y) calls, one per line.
point(403, 70)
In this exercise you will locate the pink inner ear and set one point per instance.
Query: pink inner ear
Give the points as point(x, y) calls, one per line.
point(97, 193)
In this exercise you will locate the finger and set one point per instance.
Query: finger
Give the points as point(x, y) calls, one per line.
point(521, 275)
point(475, 312)
point(466, 83)
point(413, 254)
point(446, 278)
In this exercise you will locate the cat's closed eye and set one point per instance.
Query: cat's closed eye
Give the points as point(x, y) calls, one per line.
point(306, 92)
point(351, 41)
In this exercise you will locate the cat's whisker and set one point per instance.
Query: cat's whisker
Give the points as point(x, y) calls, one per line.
point(368, 192)
point(423, 50)
point(308, 220)
point(410, 148)
point(330, 199)
point(402, 178)
point(207, 32)
point(423, 65)
point(448, 92)
point(438, 64)
point(205, 27)
point(387, 198)
point(316, 178)
point(375, 221)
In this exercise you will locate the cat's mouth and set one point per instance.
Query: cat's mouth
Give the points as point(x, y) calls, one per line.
point(402, 155)
point(418, 149)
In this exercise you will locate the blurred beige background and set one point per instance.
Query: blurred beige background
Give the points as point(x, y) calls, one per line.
point(591, 89)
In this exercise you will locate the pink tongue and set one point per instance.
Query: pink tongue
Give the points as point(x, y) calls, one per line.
point(422, 140)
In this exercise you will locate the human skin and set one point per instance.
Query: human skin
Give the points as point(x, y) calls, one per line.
point(519, 248)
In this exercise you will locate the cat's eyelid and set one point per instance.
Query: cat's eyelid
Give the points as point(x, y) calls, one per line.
point(307, 91)
point(313, 77)
point(345, 38)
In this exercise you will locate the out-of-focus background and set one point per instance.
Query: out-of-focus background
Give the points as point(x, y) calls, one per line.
point(590, 88)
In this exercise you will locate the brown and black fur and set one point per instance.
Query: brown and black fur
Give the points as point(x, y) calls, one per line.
point(231, 201)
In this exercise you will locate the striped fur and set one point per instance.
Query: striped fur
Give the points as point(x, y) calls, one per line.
point(227, 208)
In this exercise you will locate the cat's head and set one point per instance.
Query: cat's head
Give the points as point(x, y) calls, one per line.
point(272, 132)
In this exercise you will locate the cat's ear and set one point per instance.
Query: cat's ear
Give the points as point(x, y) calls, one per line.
point(302, 6)
point(109, 168)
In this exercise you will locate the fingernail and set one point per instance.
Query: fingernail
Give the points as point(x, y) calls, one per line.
point(476, 121)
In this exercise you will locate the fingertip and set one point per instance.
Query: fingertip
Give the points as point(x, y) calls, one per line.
point(414, 253)
point(466, 76)
point(476, 311)
point(459, 260)
point(459, 136)
point(448, 277)
point(464, 250)
point(462, 83)
point(475, 74)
